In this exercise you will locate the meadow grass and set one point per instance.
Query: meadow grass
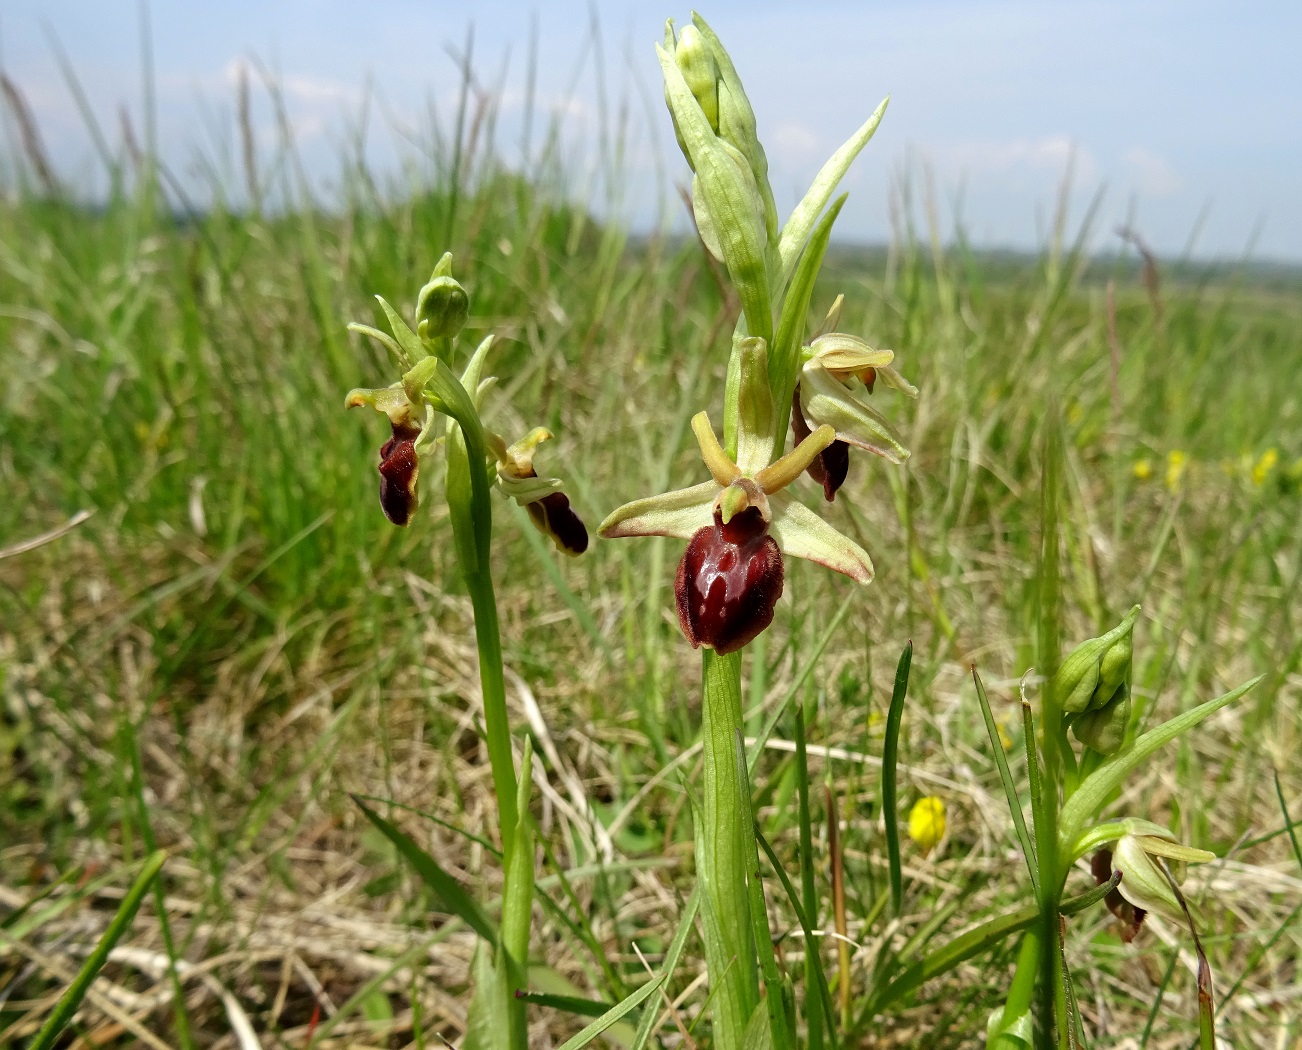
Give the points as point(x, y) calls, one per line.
point(237, 639)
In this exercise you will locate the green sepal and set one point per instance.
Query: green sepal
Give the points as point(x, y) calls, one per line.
point(412, 347)
point(754, 408)
point(826, 399)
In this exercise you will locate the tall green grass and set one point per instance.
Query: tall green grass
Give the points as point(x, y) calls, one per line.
point(238, 613)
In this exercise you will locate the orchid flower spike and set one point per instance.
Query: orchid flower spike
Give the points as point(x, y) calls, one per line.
point(742, 522)
point(413, 407)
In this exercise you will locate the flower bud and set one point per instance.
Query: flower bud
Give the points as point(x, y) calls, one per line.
point(1093, 672)
point(700, 72)
point(1104, 728)
point(442, 305)
point(729, 582)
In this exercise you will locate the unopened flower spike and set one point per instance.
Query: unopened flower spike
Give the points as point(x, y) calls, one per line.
point(411, 407)
point(1093, 684)
point(741, 523)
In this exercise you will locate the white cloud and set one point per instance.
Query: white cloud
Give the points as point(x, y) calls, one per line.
point(794, 141)
point(1150, 173)
point(1049, 153)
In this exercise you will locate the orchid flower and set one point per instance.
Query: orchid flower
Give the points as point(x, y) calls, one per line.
point(742, 522)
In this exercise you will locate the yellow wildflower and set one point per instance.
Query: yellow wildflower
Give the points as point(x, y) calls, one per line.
point(1143, 469)
point(927, 822)
point(1262, 468)
point(1176, 461)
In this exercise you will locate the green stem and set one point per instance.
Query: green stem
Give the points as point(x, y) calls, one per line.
point(1046, 824)
point(492, 684)
point(722, 859)
point(1022, 990)
point(467, 489)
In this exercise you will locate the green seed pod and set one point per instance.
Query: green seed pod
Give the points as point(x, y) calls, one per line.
point(700, 72)
point(1092, 672)
point(442, 305)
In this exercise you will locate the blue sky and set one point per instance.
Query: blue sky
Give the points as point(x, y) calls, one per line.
point(1187, 114)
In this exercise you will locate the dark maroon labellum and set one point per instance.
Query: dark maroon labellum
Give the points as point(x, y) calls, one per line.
point(830, 466)
point(398, 470)
point(1130, 917)
point(553, 515)
point(729, 582)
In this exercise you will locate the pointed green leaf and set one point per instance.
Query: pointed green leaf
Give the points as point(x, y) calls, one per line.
point(612, 1015)
point(796, 230)
point(454, 897)
point(784, 361)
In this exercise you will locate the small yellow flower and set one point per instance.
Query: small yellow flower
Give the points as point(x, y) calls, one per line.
point(1143, 469)
point(927, 822)
point(1262, 468)
point(1005, 739)
point(1176, 461)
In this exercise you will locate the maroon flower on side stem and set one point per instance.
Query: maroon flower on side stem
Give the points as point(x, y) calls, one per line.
point(729, 582)
point(832, 465)
point(399, 469)
point(1130, 917)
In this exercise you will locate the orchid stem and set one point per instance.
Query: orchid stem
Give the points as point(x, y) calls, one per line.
point(730, 949)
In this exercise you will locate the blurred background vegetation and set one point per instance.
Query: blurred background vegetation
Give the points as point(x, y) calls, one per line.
point(236, 638)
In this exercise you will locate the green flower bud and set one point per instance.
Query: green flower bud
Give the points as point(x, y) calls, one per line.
point(442, 305)
point(1090, 676)
point(700, 72)
point(1104, 728)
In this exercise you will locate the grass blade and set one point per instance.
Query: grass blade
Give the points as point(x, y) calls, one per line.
point(1010, 789)
point(824, 993)
point(890, 756)
point(612, 1015)
point(813, 958)
point(781, 1027)
point(71, 999)
point(569, 1003)
point(445, 887)
point(1206, 1007)
point(647, 1028)
point(975, 941)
